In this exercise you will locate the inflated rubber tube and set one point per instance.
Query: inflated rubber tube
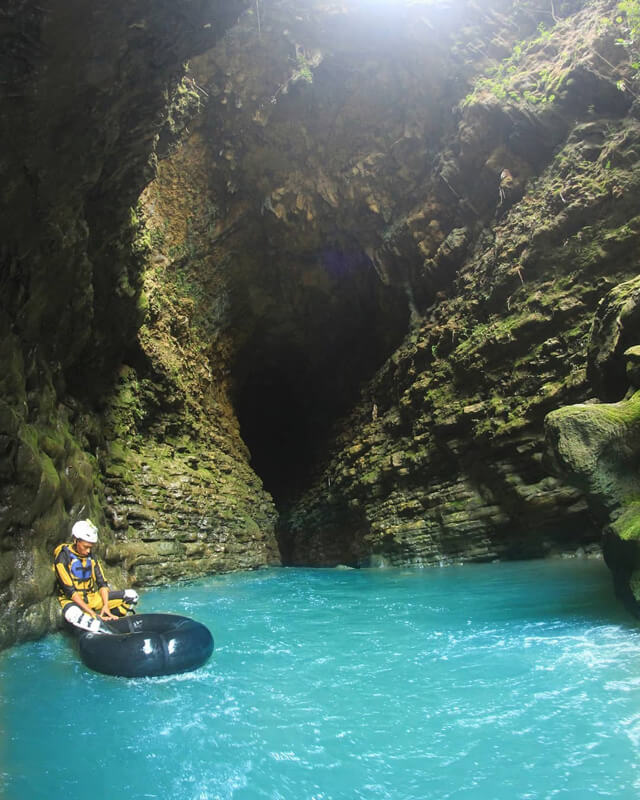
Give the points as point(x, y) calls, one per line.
point(147, 645)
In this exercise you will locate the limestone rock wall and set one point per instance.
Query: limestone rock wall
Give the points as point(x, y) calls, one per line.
point(443, 459)
point(87, 90)
point(492, 188)
point(407, 216)
point(180, 494)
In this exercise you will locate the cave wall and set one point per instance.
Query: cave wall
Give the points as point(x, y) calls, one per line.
point(316, 150)
point(412, 215)
point(484, 161)
point(87, 91)
point(443, 460)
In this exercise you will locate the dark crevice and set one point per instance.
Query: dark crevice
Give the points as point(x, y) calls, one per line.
point(301, 370)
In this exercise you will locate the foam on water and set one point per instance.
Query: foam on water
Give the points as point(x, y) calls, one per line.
point(484, 682)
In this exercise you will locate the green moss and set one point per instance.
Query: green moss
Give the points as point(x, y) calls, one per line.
point(500, 330)
point(117, 452)
point(49, 488)
point(624, 413)
point(125, 410)
point(518, 79)
point(120, 471)
point(627, 525)
point(142, 306)
point(53, 443)
point(371, 478)
point(185, 104)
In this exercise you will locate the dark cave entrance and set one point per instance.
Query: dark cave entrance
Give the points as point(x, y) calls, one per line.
point(329, 326)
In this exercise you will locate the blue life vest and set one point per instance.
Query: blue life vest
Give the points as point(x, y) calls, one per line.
point(80, 571)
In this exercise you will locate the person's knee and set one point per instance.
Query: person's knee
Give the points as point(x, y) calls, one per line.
point(75, 616)
point(72, 614)
point(131, 597)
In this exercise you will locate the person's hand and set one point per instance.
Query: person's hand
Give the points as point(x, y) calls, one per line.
point(106, 614)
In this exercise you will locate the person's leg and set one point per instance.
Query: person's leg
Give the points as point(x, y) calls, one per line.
point(78, 618)
point(121, 602)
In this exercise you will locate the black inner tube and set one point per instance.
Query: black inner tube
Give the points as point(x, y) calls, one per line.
point(147, 623)
point(147, 645)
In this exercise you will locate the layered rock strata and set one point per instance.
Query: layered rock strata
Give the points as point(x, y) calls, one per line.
point(443, 458)
point(86, 91)
point(381, 240)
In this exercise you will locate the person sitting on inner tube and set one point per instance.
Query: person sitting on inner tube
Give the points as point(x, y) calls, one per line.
point(83, 591)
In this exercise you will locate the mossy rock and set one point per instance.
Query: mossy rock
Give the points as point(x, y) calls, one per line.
point(596, 447)
point(632, 357)
point(627, 525)
point(616, 327)
point(10, 420)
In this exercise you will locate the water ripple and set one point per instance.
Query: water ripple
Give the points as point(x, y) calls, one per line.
point(496, 682)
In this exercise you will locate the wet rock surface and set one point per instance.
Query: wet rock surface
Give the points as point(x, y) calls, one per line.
point(443, 458)
point(85, 92)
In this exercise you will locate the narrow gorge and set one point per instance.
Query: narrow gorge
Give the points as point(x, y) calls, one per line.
point(317, 283)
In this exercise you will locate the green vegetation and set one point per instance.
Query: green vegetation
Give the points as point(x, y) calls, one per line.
point(185, 104)
point(629, 23)
point(506, 80)
point(141, 242)
point(305, 63)
point(303, 68)
point(512, 80)
point(631, 11)
point(627, 525)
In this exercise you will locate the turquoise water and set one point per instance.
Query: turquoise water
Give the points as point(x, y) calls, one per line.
point(484, 682)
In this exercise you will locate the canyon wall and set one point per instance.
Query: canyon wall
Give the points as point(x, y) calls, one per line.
point(343, 261)
point(481, 165)
point(444, 458)
point(95, 411)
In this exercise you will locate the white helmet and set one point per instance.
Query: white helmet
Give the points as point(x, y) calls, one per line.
point(85, 530)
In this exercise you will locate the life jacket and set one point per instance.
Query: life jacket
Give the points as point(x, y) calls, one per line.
point(81, 570)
